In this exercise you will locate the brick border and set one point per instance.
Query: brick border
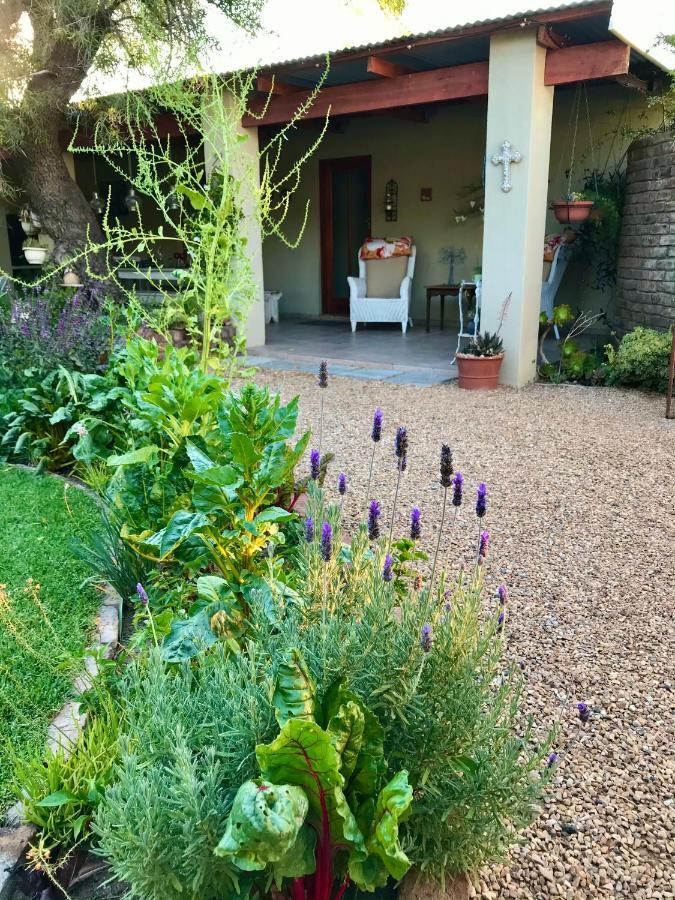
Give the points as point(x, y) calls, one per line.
point(67, 724)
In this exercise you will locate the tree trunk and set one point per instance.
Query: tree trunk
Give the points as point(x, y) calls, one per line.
point(63, 209)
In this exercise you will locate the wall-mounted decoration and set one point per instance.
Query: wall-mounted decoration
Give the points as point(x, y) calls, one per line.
point(391, 201)
point(425, 195)
point(505, 159)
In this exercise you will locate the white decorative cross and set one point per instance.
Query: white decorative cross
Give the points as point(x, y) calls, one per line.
point(505, 158)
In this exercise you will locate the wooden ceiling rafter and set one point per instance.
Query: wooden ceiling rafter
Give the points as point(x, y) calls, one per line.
point(581, 62)
point(378, 65)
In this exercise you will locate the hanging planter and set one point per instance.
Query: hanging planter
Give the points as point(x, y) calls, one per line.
point(34, 252)
point(574, 210)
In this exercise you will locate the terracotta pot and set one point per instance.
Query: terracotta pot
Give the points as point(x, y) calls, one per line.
point(416, 886)
point(570, 211)
point(178, 336)
point(478, 373)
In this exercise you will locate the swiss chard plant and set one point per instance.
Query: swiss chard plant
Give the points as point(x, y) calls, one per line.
point(65, 418)
point(323, 812)
point(237, 473)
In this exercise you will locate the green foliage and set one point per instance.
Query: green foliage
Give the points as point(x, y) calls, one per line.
point(42, 631)
point(61, 791)
point(485, 344)
point(238, 471)
point(66, 417)
point(641, 359)
point(598, 243)
point(346, 676)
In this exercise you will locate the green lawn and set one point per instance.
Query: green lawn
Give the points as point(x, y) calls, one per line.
point(38, 517)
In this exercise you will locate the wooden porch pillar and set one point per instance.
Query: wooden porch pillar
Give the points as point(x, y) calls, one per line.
point(245, 167)
point(520, 108)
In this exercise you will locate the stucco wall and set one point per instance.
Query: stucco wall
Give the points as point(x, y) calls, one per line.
point(646, 287)
point(445, 154)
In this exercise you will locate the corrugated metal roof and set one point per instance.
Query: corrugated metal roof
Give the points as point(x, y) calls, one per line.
point(457, 27)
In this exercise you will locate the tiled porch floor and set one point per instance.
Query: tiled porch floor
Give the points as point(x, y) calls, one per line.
point(375, 351)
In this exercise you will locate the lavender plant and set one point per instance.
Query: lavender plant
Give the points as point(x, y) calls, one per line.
point(42, 330)
point(376, 436)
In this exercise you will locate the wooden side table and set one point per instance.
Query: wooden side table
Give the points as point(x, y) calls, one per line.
point(442, 291)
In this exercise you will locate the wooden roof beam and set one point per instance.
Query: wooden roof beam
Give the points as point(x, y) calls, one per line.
point(605, 59)
point(378, 65)
point(582, 62)
point(633, 82)
point(271, 84)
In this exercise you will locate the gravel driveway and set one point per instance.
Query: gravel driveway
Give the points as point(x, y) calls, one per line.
point(581, 487)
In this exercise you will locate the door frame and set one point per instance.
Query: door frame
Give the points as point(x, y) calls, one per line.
point(326, 167)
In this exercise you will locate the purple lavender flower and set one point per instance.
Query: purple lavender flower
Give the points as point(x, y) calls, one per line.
point(552, 760)
point(387, 568)
point(401, 447)
point(309, 529)
point(323, 374)
point(501, 620)
point(426, 638)
point(374, 513)
point(502, 593)
point(326, 541)
point(142, 594)
point(446, 466)
point(315, 464)
point(584, 712)
point(483, 545)
point(342, 484)
point(481, 500)
point(457, 483)
point(376, 433)
point(415, 523)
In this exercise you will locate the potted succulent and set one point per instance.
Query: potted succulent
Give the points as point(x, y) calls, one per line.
point(575, 208)
point(480, 364)
point(34, 251)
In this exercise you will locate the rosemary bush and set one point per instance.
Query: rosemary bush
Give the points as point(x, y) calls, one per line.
point(429, 665)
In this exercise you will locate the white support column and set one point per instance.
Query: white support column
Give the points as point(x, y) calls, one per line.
point(520, 108)
point(246, 167)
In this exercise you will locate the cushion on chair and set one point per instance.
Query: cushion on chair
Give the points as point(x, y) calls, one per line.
point(384, 276)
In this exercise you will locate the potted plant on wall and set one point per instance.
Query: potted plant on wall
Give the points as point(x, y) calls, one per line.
point(575, 208)
point(34, 251)
point(480, 365)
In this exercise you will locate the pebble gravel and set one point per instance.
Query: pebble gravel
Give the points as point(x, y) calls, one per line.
point(581, 489)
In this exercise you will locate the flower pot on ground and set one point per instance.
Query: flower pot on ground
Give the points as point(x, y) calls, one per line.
point(573, 209)
point(479, 366)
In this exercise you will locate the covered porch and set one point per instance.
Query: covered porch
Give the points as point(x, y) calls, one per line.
point(428, 115)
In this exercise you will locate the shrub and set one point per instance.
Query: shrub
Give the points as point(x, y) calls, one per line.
point(427, 663)
point(44, 329)
point(641, 359)
point(60, 792)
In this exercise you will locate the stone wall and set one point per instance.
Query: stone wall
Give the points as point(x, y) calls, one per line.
point(646, 272)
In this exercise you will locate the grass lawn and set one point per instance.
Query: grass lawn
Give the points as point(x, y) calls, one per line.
point(38, 517)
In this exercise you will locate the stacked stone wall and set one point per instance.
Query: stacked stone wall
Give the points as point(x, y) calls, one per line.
point(646, 269)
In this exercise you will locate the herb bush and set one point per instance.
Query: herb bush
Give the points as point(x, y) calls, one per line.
point(46, 327)
point(641, 359)
point(426, 661)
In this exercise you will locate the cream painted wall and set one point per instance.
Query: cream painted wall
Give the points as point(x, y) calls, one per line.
point(445, 154)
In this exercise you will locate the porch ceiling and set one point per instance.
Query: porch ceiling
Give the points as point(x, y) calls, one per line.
point(441, 67)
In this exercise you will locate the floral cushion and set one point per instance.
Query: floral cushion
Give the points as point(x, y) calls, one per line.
point(385, 248)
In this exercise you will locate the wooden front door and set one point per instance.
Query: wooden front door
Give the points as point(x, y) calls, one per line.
point(345, 224)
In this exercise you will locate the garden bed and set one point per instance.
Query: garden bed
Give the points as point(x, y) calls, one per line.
point(39, 516)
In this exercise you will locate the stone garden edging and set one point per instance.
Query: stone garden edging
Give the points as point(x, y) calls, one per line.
point(67, 724)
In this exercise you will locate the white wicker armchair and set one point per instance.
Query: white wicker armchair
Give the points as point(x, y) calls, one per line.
point(382, 294)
